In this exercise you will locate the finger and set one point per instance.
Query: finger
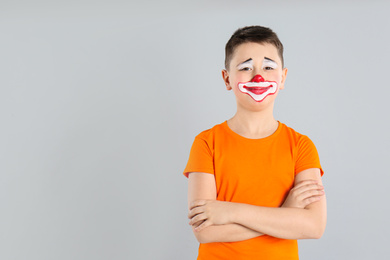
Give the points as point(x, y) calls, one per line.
point(307, 187)
point(305, 182)
point(197, 203)
point(311, 200)
point(197, 218)
point(310, 193)
point(195, 211)
point(204, 225)
point(197, 224)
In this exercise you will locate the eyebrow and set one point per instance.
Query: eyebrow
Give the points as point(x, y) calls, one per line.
point(248, 60)
point(269, 59)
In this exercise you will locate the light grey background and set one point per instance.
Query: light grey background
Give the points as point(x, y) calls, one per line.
point(100, 102)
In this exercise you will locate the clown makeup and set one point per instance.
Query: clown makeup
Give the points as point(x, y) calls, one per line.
point(269, 64)
point(246, 65)
point(258, 89)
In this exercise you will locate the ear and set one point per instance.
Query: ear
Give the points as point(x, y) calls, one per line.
point(284, 75)
point(226, 79)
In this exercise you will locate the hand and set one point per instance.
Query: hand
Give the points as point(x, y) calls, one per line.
point(204, 213)
point(303, 194)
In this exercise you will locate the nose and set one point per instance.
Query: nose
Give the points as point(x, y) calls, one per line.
point(257, 78)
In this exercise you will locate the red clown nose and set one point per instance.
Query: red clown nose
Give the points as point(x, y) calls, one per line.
point(257, 78)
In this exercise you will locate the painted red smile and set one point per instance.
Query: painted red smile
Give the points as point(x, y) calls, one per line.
point(257, 90)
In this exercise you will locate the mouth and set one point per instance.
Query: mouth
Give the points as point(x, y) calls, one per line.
point(257, 90)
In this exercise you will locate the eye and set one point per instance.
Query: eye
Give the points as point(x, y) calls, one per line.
point(245, 69)
point(269, 65)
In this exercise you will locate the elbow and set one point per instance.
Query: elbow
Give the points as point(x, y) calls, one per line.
point(316, 230)
point(201, 239)
point(317, 233)
point(204, 236)
point(201, 236)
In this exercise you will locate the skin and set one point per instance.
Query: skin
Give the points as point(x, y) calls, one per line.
point(302, 215)
point(261, 87)
point(202, 185)
point(257, 117)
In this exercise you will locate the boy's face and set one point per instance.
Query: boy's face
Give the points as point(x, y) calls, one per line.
point(255, 74)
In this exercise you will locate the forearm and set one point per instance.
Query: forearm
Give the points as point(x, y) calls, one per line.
point(286, 223)
point(225, 233)
point(303, 216)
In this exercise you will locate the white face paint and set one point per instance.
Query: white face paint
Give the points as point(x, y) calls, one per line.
point(246, 65)
point(269, 64)
point(258, 88)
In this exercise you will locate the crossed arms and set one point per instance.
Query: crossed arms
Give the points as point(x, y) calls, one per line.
point(302, 215)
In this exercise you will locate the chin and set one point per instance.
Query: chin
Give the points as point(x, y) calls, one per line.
point(254, 106)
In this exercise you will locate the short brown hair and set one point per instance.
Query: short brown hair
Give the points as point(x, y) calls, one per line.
point(256, 33)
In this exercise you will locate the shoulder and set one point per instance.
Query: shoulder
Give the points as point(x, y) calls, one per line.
point(210, 134)
point(304, 151)
point(294, 135)
point(210, 138)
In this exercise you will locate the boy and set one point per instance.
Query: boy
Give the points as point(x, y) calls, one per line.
point(254, 183)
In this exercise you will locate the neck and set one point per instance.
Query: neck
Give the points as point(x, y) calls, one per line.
point(252, 124)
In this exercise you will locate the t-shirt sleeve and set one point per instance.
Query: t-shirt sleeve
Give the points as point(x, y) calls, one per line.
point(201, 158)
point(307, 156)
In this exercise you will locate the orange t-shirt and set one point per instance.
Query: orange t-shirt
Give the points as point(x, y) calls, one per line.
point(253, 171)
